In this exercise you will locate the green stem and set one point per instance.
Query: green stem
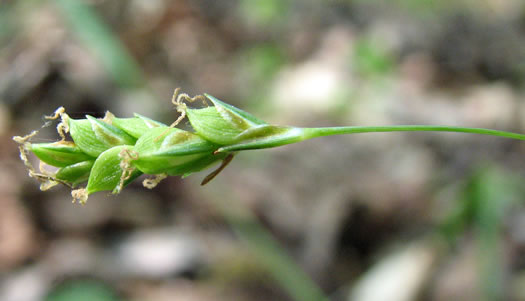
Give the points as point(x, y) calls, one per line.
point(278, 136)
point(328, 131)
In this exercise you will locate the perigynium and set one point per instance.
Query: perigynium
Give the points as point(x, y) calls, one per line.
point(110, 153)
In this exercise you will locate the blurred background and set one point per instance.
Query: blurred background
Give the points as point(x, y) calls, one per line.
point(412, 216)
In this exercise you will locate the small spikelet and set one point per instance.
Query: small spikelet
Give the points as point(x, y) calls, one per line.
point(75, 173)
point(136, 126)
point(84, 137)
point(108, 134)
point(221, 123)
point(162, 149)
point(59, 154)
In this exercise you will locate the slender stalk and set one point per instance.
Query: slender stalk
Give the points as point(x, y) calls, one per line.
point(294, 134)
point(328, 131)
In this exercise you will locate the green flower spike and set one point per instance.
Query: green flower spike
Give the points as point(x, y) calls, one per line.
point(110, 153)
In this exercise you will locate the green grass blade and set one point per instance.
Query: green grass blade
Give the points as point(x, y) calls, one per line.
point(493, 192)
point(92, 31)
point(279, 264)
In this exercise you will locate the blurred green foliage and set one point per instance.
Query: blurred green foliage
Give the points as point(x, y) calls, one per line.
point(493, 192)
point(273, 257)
point(485, 200)
point(371, 59)
point(82, 290)
point(262, 62)
point(264, 12)
point(259, 65)
point(6, 28)
point(423, 7)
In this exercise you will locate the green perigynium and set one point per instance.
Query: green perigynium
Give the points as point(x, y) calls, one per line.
point(110, 153)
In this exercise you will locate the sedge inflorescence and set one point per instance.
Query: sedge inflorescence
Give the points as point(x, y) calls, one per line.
point(111, 152)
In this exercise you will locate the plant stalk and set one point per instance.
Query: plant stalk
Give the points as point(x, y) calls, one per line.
point(329, 131)
point(294, 134)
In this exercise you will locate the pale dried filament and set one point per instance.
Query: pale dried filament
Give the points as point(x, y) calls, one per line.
point(153, 182)
point(178, 99)
point(127, 156)
point(46, 179)
point(80, 196)
point(63, 126)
